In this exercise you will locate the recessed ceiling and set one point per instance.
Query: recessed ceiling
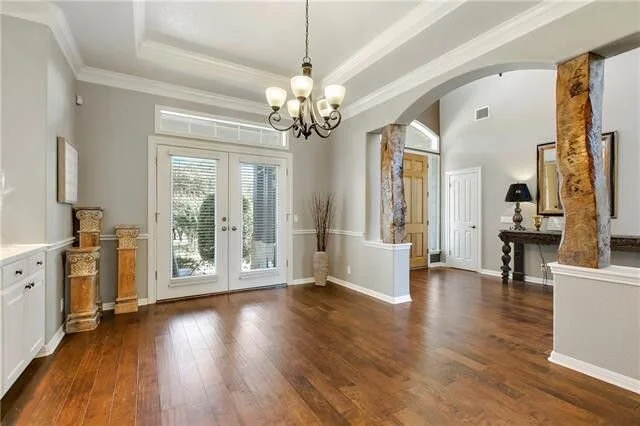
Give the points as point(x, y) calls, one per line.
point(238, 48)
point(270, 35)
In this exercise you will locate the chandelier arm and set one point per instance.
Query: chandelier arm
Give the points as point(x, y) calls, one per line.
point(316, 128)
point(334, 116)
point(275, 118)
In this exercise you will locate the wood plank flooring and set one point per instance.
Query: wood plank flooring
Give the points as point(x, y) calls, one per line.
point(466, 350)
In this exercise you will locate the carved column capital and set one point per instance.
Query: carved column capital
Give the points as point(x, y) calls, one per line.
point(127, 235)
point(82, 261)
point(89, 218)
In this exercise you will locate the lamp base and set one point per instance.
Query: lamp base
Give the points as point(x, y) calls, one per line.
point(517, 219)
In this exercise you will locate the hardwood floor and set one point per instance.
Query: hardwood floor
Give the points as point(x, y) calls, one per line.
point(466, 350)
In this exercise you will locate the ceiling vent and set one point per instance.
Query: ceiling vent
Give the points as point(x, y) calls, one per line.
point(482, 113)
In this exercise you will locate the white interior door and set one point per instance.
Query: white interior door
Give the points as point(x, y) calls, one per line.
point(220, 222)
point(463, 219)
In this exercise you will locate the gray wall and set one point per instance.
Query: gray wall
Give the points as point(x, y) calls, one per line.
point(431, 117)
point(112, 129)
point(522, 108)
point(37, 105)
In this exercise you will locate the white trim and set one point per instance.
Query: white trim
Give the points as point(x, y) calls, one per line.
point(616, 379)
point(438, 265)
point(410, 25)
point(347, 233)
point(112, 237)
point(371, 293)
point(386, 246)
point(158, 88)
point(526, 22)
point(109, 306)
point(613, 274)
point(299, 281)
point(50, 347)
point(216, 69)
point(60, 244)
point(303, 232)
point(527, 278)
point(49, 14)
point(447, 175)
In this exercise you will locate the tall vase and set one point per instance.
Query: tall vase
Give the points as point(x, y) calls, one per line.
point(320, 268)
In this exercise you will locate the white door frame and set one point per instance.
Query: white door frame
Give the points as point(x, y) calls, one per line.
point(152, 195)
point(448, 174)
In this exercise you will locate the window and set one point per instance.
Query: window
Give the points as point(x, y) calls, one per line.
point(197, 125)
point(420, 138)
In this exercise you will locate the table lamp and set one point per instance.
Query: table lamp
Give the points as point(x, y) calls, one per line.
point(517, 193)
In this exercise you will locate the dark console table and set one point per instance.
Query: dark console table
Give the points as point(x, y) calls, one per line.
point(520, 238)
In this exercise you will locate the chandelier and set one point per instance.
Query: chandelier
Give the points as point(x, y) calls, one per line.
point(320, 118)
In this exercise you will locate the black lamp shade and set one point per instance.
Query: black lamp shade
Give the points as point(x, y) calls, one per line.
point(518, 192)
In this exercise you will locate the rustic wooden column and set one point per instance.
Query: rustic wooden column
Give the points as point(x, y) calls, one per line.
point(587, 229)
point(127, 294)
point(83, 311)
point(87, 222)
point(393, 207)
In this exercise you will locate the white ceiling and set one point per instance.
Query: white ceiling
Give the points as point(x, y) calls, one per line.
point(222, 49)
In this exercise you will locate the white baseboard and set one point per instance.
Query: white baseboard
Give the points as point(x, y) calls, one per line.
point(376, 295)
point(527, 278)
point(617, 379)
point(299, 281)
point(51, 345)
point(108, 306)
point(438, 265)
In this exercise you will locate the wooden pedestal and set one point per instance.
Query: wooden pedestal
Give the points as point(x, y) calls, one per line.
point(83, 310)
point(87, 223)
point(127, 294)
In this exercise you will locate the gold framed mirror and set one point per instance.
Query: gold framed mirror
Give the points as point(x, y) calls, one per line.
point(548, 183)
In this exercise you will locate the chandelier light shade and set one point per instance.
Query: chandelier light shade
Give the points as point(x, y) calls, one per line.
point(308, 118)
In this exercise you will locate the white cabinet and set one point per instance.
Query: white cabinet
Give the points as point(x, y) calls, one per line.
point(22, 310)
point(13, 344)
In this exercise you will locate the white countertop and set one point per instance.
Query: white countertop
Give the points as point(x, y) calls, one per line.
point(13, 252)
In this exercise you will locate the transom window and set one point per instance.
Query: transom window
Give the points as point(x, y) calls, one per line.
point(198, 125)
point(421, 138)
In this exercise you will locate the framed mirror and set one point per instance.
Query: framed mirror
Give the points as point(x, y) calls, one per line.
point(548, 190)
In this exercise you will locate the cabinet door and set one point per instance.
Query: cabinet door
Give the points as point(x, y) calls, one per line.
point(13, 353)
point(34, 317)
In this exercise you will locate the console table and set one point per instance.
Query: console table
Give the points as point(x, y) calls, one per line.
point(520, 238)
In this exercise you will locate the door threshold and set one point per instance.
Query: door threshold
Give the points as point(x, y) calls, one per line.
point(221, 293)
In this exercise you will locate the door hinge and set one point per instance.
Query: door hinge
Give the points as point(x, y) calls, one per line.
point(287, 263)
point(156, 275)
point(286, 171)
point(157, 214)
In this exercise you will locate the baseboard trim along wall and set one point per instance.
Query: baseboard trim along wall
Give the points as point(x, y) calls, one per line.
point(617, 379)
point(299, 281)
point(371, 293)
point(51, 345)
point(527, 278)
point(108, 306)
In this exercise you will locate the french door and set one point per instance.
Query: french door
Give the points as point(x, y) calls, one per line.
point(221, 222)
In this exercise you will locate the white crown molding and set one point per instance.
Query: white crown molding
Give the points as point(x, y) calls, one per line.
point(413, 23)
point(158, 88)
point(48, 14)
point(617, 379)
point(536, 17)
point(371, 293)
point(208, 67)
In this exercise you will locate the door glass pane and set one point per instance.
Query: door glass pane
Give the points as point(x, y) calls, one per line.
point(259, 216)
point(193, 221)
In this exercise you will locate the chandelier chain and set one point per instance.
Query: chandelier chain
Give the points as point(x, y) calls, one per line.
point(306, 39)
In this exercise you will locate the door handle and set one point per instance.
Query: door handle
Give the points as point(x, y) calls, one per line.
point(224, 228)
point(472, 227)
point(233, 228)
point(224, 218)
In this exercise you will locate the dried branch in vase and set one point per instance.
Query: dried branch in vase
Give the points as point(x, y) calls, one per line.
point(322, 213)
